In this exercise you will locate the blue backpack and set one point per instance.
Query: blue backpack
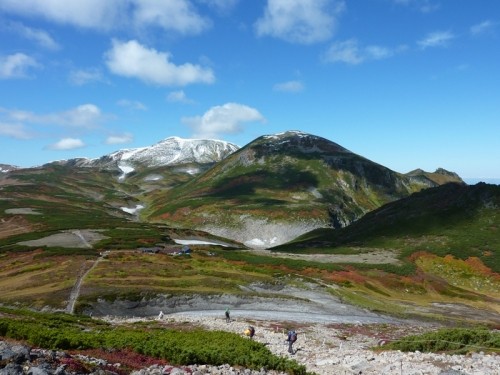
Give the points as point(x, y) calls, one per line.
point(292, 336)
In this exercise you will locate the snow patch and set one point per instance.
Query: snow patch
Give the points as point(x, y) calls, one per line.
point(153, 177)
point(197, 242)
point(126, 169)
point(315, 192)
point(256, 243)
point(134, 210)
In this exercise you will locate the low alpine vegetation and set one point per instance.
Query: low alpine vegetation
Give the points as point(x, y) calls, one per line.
point(178, 347)
point(453, 341)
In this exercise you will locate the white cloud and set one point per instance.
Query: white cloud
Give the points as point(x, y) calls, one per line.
point(132, 104)
point(436, 39)
point(350, 52)
point(16, 66)
point(17, 131)
point(85, 116)
point(96, 14)
point(172, 15)
point(224, 119)
point(378, 52)
point(300, 21)
point(482, 28)
point(131, 59)
point(178, 97)
point(290, 86)
point(346, 52)
point(119, 139)
point(82, 77)
point(41, 37)
point(67, 144)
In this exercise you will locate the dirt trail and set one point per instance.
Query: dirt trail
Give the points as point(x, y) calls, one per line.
point(75, 292)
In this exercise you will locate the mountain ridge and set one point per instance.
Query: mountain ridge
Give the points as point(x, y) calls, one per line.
point(169, 151)
point(290, 177)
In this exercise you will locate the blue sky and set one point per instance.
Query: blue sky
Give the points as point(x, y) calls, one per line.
point(405, 83)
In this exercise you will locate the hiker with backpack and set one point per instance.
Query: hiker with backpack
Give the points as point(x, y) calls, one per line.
point(228, 319)
point(250, 332)
point(292, 337)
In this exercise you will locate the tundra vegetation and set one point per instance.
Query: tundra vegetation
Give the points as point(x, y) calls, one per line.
point(175, 345)
point(444, 239)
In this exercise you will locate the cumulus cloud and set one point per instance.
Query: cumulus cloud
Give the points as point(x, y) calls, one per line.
point(16, 66)
point(85, 116)
point(290, 86)
point(300, 21)
point(96, 14)
point(172, 15)
point(85, 76)
point(67, 144)
point(350, 52)
point(178, 97)
point(482, 28)
point(131, 59)
point(41, 37)
point(17, 131)
point(436, 39)
point(132, 104)
point(119, 139)
point(225, 119)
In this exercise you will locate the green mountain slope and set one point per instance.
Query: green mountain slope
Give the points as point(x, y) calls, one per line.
point(462, 220)
point(293, 180)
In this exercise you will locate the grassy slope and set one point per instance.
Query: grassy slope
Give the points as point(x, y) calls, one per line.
point(288, 185)
point(449, 237)
point(422, 230)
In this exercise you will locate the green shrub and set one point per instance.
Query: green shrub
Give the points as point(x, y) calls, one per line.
point(64, 332)
point(454, 340)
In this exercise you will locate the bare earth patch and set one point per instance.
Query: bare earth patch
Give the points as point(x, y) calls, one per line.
point(372, 257)
point(14, 225)
point(72, 238)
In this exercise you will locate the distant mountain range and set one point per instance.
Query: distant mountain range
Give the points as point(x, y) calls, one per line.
point(170, 151)
point(420, 242)
point(264, 194)
point(281, 186)
point(4, 168)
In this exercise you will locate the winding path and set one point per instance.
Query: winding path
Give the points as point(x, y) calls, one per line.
point(75, 292)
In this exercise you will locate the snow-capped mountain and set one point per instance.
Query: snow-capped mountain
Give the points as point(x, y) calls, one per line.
point(170, 151)
point(4, 168)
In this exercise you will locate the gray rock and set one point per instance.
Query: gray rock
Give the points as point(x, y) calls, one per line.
point(12, 369)
point(38, 371)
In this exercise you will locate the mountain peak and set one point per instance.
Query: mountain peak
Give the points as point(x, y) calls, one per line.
point(176, 150)
point(169, 151)
point(298, 141)
point(4, 168)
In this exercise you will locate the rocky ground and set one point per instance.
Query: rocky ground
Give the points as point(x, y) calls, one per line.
point(338, 348)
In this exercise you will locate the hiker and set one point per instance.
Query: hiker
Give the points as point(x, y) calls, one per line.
point(228, 319)
point(160, 315)
point(292, 337)
point(250, 332)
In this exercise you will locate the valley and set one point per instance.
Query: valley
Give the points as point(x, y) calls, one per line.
point(289, 228)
